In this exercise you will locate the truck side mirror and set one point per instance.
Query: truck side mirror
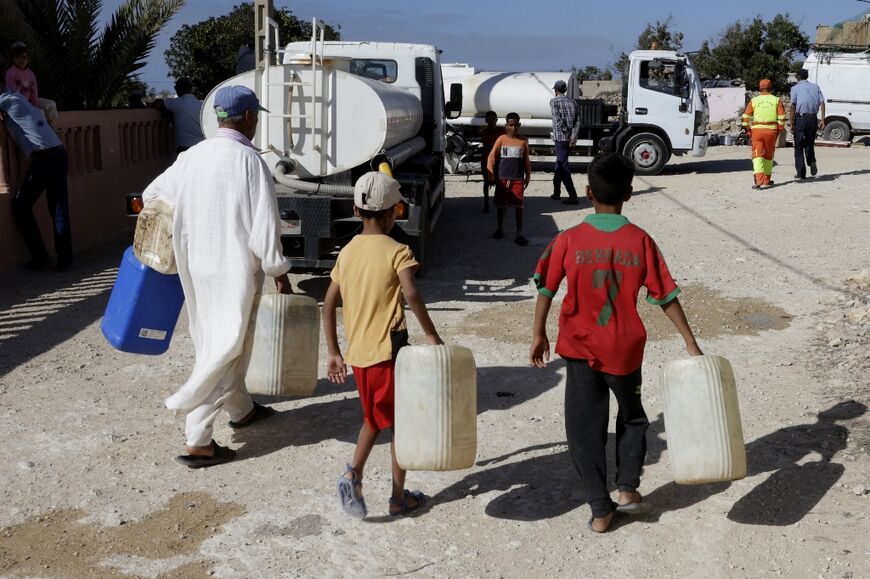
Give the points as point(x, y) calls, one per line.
point(681, 81)
point(453, 108)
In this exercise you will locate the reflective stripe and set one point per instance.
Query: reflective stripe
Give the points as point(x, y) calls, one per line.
point(764, 108)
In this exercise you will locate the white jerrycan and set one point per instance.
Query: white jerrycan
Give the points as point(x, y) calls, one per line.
point(702, 420)
point(436, 408)
point(282, 345)
point(152, 240)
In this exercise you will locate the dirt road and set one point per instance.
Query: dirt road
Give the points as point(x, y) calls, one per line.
point(777, 281)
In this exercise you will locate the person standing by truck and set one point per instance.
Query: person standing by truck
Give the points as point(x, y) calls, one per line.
point(488, 136)
point(566, 124)
point(226, 236)
point(47, 170)
point(806, 102)
point(185, 112)
point(767, 122)
point(509, 167)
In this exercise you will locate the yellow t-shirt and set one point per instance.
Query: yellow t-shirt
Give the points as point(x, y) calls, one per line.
point(367, 271)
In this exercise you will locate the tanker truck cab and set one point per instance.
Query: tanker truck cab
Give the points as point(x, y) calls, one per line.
point(665, 110)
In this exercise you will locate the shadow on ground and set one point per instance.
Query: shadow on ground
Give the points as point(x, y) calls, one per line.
point(498, 388)
point(35, 307)
point(542, 487)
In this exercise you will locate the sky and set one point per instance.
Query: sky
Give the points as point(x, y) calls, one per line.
point(509, 35)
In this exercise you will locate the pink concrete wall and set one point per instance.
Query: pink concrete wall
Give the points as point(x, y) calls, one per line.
point(111, 153)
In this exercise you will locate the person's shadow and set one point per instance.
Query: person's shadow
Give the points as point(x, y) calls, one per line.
point(793, 489)
point(538, 488)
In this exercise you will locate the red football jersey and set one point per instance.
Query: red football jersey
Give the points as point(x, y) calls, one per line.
point(606, 260)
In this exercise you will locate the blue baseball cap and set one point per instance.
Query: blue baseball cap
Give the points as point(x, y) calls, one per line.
point(232, 101)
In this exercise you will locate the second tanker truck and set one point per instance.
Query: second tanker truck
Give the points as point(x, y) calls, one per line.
point(664, 110)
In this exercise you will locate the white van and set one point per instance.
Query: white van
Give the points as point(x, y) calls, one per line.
point(845, 81)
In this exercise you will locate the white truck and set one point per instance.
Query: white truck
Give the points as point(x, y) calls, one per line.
point(337, 110)
point(664, 109)
point(844, 78)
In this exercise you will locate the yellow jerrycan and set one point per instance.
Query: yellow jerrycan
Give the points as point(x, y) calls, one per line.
point(436, 408)
point(281, 346)
point(702, 420)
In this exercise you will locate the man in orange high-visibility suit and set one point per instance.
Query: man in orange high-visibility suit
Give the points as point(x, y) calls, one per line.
point(768, 120)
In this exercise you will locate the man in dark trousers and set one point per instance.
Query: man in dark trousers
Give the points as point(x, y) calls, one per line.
point(566, 123)
point(806, 102)
point(47, 168)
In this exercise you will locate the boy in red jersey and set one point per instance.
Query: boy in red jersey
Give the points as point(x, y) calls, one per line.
point(606, 260)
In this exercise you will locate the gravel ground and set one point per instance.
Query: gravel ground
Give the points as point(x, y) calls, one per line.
point(777, 281)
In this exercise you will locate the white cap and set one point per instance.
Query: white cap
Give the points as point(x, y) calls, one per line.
point(376, 191)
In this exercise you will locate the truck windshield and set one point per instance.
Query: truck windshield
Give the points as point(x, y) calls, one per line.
point(658, 75)
point(376, 69)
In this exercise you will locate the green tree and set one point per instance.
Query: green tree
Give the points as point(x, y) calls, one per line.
point(658, 36)
point(593, 73)
point(752, 50)
point(76, 64)
point(207, 51)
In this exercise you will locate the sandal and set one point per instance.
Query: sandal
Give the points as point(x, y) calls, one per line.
point(350, 494)
point(221, 455)
point(259, 412)
point(402, 503)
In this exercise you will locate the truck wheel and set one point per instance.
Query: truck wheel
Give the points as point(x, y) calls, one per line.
point(837, 131)
point(648, 152)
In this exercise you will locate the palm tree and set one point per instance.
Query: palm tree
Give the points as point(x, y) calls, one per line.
point(75, 64)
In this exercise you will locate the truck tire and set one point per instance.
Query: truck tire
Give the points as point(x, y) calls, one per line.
point(648, 152)
point(837, 131)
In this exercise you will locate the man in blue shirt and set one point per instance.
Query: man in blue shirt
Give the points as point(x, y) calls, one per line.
point(806, 101)
point(47, 168)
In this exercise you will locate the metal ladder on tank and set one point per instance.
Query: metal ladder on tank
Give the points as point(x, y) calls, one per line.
point(267, 33)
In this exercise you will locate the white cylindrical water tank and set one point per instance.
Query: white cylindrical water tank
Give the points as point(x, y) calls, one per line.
point(525, 93)
point(351, 120)
point(702, 420)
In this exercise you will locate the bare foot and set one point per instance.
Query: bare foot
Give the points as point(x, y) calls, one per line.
point(628, 497)
point(201, 450)
point(600, 524)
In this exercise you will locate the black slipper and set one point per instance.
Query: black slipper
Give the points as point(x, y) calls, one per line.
point(221, 455)
point(260, 413)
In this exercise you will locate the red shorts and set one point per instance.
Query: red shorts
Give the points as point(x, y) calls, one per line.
point(509, 193)
point(376, 387)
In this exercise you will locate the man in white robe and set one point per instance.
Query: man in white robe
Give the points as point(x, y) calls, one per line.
point(226, 236)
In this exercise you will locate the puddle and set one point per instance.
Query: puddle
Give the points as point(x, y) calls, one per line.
point(709, 312)
point(56, 544)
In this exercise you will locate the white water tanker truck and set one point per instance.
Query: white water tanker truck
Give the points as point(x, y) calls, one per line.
point(664, 110)
point(336, 111)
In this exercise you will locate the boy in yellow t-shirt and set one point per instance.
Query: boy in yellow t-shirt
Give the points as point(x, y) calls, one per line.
point(370, 276)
